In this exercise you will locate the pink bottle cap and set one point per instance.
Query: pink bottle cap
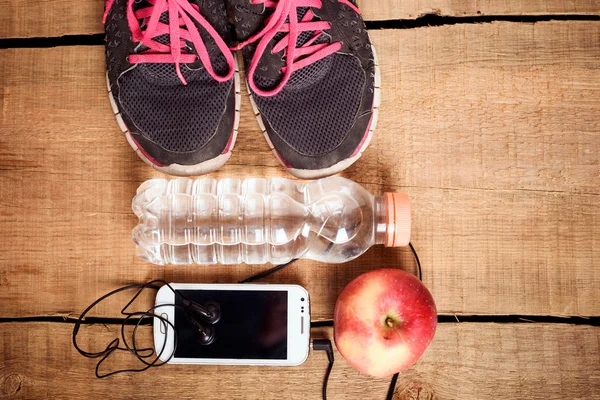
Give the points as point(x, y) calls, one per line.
point(398, 219)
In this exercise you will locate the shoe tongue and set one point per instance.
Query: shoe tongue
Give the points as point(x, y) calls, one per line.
point(166, 74)
point(307, 74)
point(164, 39)
point(164, 18)
point(304, 36)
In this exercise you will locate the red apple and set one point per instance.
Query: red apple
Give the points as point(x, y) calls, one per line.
point(383, 321)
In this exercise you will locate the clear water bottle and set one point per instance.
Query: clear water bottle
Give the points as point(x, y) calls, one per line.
point(257, 221)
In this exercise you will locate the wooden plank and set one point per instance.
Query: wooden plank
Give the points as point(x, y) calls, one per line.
point(492, 130)
point(24, 19)
point(411, 9)
point(465, 361)
point(21, 18)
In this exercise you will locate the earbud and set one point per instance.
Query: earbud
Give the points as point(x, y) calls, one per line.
point(209, 312)
point(215, 311)
point(205, 334)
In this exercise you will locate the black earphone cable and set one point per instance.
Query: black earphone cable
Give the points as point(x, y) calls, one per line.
point(420, 275)
point(392, 388)
point(325, 345)
point(141, 354)
point(267, 272)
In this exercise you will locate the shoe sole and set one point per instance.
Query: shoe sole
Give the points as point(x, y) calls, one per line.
point(181, 169)
point(342, 165)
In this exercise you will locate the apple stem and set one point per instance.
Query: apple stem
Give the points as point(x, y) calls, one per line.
point(389, 322)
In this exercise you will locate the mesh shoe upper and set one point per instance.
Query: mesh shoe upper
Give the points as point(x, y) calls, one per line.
point(322, 114)
point(178, 118)
point(316, 110)
point(171, 121)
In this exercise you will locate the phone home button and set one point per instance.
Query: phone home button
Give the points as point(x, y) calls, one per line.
point(163, 324)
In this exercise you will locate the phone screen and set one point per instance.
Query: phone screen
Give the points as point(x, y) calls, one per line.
point(253, 325)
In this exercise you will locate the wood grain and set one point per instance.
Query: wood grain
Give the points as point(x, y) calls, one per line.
point(410, 9)
point(465, 361)
point(492, 130)
point(22, 18)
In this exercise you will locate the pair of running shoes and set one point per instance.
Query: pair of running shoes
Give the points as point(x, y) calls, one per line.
point(174, 81)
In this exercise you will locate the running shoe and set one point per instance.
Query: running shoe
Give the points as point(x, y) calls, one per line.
point(173, 81)
point(313, 80)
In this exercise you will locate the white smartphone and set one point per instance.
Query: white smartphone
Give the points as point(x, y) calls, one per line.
point(260, 324)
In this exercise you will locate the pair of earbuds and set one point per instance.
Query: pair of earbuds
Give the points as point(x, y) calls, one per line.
point(202, 318)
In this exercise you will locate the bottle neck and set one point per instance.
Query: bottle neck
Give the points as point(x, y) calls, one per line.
point(380, 220)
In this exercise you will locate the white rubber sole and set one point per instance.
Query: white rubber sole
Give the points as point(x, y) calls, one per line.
point(180, 169)
point(342, 165)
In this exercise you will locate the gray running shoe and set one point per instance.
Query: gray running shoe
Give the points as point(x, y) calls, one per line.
point(313, 80)
point(173, 82)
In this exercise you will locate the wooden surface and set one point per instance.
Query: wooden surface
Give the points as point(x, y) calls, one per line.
point(492, 129)
point(410, 9)
point(25, 18)
point(465, 361)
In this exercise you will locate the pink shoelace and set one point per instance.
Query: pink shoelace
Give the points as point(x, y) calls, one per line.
point(181, 27)
point(285, 19)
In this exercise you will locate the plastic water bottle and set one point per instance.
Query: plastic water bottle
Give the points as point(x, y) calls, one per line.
point(257, 221)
